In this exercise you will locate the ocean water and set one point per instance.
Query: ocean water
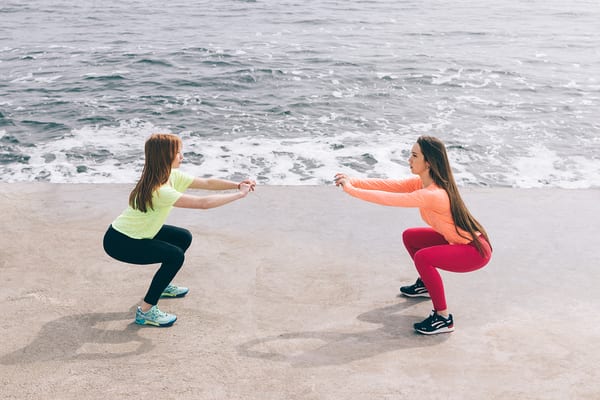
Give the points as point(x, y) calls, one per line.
point(290, 92)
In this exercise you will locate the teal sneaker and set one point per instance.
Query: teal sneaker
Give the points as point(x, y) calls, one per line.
point(154, 317)
point(174, 291)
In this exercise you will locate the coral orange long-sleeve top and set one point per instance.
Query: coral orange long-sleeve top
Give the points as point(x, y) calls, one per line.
point(432, 201)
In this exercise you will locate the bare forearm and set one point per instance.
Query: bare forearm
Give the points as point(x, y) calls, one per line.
point(206, 202)
point(218, 200)
point(213, 184)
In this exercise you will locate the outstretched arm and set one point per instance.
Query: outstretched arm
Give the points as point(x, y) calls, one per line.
point(215, 200)
point(385, 185)
point(220, 184)
point(384, 197)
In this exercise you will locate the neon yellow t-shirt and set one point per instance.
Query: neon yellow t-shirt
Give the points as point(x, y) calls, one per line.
point(145, 225)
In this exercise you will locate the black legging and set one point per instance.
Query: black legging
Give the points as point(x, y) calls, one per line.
point(167, 247)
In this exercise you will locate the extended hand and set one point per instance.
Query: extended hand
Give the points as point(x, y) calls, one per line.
point(340, 179)
point(248, 182)
point(245, 188)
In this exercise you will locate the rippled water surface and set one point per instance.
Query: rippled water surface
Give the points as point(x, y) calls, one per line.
point(290, 92)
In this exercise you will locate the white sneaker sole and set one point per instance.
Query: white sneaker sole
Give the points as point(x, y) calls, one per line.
point(441, 330)
point(416, 295)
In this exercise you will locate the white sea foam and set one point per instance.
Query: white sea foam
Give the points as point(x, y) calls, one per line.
point(115, 155)
point(542, 166)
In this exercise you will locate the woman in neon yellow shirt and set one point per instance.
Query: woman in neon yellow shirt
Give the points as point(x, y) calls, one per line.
point(139, 235)
point(455, 240)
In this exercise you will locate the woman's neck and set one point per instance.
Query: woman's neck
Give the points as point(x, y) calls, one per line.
point(426, 179)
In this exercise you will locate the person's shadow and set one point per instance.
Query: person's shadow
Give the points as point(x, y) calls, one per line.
point(77, 337)
point(314, 349)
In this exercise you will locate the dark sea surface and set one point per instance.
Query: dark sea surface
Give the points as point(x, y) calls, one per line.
point(290, 92)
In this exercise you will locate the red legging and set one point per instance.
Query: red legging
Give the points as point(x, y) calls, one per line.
point(430, 251)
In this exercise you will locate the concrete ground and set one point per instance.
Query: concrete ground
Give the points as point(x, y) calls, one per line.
point(293, 295)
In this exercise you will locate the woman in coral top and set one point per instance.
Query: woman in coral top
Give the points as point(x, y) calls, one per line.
point(455, 241)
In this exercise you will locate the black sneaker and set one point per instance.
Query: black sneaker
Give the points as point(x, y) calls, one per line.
point(434, 324)
point(416, 290)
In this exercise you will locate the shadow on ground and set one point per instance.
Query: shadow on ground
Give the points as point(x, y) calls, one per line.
point(78, 337)
point(314, 348)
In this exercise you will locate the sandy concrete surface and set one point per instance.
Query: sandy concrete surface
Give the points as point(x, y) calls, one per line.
point(293, 295)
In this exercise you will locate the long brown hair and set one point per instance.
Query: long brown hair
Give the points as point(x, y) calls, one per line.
point(160, 150)
point(435, 154)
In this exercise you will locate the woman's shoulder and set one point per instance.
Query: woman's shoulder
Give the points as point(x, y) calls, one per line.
point(436, 190)
point(180, 180)
point(438, 197)
point(414, 181)
point(176, 172)
point(165, 188)
point(410, 184)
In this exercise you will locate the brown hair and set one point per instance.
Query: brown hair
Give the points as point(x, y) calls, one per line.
point(160, 150)
point(435, 154)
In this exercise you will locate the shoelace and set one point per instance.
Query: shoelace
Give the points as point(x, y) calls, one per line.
point(432, 318)
point(156, 313)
